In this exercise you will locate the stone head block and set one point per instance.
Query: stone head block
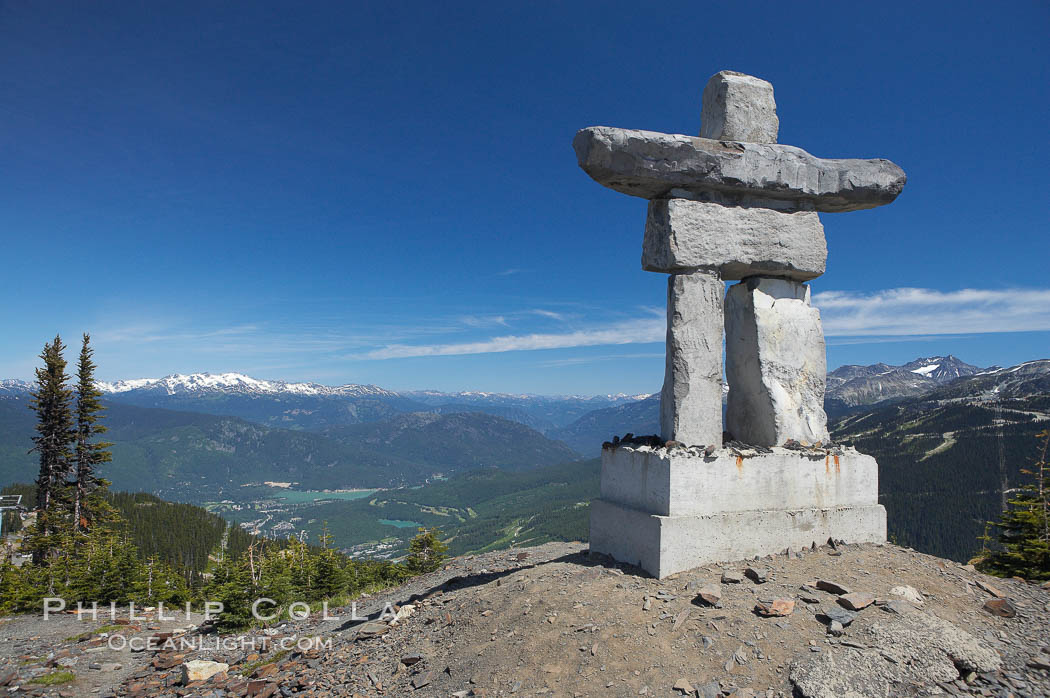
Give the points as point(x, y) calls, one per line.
point(738, 107)
point(735, 241)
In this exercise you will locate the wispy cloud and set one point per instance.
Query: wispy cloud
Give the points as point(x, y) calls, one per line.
point(924, 312)
point(638, 331)
point(509, 272)
point(484, 320)
point(149, 333)
point(548, 314)
point(901, 314)
point(580, 360)
point(893, 339)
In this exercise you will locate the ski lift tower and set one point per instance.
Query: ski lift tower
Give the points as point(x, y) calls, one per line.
point(8, 501)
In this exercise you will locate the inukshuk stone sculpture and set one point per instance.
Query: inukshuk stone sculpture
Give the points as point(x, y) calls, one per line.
point(732, 205)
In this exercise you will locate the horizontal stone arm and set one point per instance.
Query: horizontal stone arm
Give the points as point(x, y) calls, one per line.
point(654, 165)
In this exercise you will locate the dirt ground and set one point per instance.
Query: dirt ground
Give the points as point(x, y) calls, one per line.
point(555, 621)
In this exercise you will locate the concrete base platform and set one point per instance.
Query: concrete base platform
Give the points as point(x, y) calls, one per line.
point(684, 481)
point(663, 545)
point(668, 510)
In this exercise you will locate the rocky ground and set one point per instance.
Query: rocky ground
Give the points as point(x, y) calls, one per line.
point(554, 621)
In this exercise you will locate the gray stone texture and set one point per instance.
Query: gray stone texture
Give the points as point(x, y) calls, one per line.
point(664, 545)
point(683, 482)
point(691, 399)
point(738, 107)
point(735, 241)
point(653, 165)
point(775, 363)
point(896, 651)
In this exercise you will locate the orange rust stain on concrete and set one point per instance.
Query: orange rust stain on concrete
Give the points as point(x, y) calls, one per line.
point(827, 468)
point(740, 463)
point(837, 468)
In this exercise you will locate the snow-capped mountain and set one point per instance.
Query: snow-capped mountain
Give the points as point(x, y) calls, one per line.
point(941, 368)
point(849, 386)
point(12, 386)
point(438, 397)
point(1020, 381)
point(237, 383)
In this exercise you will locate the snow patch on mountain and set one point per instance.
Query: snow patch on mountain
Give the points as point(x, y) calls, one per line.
point(14, 386)
point(199, 383)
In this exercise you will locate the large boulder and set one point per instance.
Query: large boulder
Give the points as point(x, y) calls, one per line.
point(898, 654)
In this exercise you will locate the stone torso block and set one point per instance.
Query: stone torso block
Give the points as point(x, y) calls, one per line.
point(775, 364)
point(735, 241)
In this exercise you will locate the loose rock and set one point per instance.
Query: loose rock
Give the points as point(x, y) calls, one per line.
point(1000, 607)
point(201, 670)
point(832, 587)
point(758, 575)
point(775, 608)
point(856, 601)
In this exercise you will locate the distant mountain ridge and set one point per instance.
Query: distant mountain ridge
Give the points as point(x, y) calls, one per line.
point(851, 386)
point(202, 383)
point(314, 407)
point(197, 457)
point(582, 422)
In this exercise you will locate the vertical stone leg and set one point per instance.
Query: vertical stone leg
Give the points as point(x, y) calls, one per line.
point(691, 399)
point(775, 363)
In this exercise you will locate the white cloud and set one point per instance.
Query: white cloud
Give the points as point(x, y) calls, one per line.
point(911, 313)
point(580, 360)
point(484, 320)
point(640, 331)
point(548, 314)
point(902, 314)
point(923, 311)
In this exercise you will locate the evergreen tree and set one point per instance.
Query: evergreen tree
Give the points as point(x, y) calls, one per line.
point(275, 580)
point(329, 579)
point(233, 586)
point(51, 401)
point(1024, 527)
point(301, 570)
point(11, 586)
point(89, 455)
point(426, 552)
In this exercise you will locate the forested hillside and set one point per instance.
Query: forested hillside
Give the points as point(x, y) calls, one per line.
point(476, 510)
point(187, 456)
point(182, 535)
point(939, 464)
point(453, 442)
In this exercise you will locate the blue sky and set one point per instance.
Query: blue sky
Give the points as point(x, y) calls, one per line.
point(386, 192)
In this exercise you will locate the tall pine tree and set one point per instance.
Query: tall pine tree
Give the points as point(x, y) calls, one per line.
point(426, 551)
point(55, 434)
point(1024, 527)
point(88, 455)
